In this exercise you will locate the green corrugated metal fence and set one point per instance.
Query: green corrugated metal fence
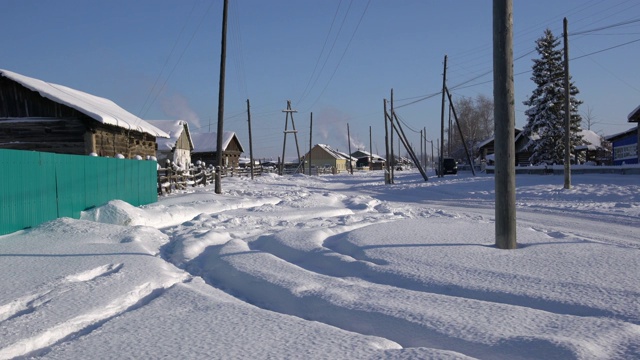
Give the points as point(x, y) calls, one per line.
point(36, 187)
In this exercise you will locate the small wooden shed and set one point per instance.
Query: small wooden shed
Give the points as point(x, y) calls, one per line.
point(178, 146)
point(41, 116)
point(205, 148)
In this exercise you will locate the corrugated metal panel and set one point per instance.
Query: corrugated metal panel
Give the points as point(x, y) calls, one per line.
point(37, 187)
point(27, 190)
point(70, 179)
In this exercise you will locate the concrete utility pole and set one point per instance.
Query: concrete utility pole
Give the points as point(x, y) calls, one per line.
point(444, 85)
point(504, 124)
point(250, 141)
point(567, 111)
point(223, 57)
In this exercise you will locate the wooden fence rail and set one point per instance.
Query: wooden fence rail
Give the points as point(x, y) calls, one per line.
point(170, 178)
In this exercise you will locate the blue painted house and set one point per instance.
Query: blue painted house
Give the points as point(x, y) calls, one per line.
point(625, 144)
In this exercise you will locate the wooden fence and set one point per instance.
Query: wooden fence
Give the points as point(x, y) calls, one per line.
point(170, 178)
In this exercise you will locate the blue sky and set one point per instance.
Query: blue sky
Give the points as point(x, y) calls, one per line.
point(160, 60)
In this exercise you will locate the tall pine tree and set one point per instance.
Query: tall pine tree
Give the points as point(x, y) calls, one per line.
point(545, 116)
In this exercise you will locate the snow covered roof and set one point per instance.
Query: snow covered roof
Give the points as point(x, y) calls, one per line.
point(335, 153)
point(174, 128)
point(208, 142)
point(634, 116)
point(593, 140)
point(100, 109)
point(368, 154)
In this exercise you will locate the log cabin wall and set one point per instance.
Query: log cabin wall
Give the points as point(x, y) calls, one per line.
point(106, 140)
point(29, 121)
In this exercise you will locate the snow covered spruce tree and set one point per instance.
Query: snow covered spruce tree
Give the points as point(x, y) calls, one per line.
point(545, 115)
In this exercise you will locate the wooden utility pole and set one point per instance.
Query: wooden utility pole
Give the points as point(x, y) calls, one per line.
point(504, 125)
point(567, 111)
point(393, 158)
point(464, 143)
point(403, 138)
point(310, 142)
point(250, 140)
point(444, 84)
point(289, 112)
point(223, 57)
point(370, 150)
point(449, 133)
point(387, 176)
point(349, 141)
point(421, 147)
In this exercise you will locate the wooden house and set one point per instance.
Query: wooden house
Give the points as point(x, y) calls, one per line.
point(368, 160)
point(486, 149)
point(41, 116)
point(323, 156)
point(178, 146)
point(205, 148)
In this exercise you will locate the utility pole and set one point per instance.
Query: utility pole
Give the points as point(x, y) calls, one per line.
point(431, 153)
point(223, 57)
point(464, 143)
point(386, 145)
point(310, 142)
point(289, 112)
point(250, 141)
point(349, 141)
point(421, 147)
point(567, 111)
point(444, 84)
point(393, 158)
point(449, 133)
point(504, 125)
point(370, 150)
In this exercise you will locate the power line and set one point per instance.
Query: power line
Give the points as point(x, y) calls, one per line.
point(326, 39)
point(330, 51)
point(343, 54)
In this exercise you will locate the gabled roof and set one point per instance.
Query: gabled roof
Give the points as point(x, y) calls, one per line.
point(174, 128)
point(208, 142)
point(100, 109)
point(619, 135)
point(366, 153)
point(336, 154)
point(488, 141)
point(634, 116)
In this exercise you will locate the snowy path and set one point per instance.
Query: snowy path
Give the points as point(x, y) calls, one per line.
point(355, 268)
point(316, 261)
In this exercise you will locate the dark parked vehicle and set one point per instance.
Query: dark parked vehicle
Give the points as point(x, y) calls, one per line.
point(449, 166)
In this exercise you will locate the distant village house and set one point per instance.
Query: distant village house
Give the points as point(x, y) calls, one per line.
point(205, 149)
point(178, 147)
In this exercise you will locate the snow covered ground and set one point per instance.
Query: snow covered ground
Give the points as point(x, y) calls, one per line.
point(333, 267)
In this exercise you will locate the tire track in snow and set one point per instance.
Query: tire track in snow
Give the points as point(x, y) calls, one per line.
point(447, 322)
point(30, 303)
point(337, 257)
point(40, 344)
